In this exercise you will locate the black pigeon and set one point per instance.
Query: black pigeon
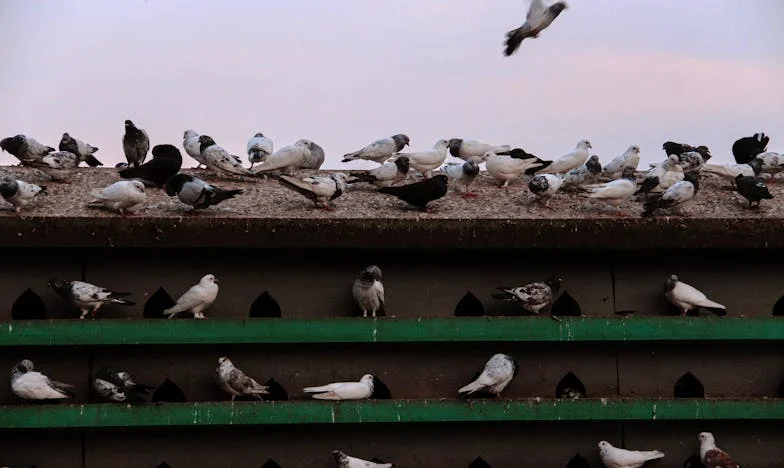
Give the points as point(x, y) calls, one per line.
point(165, 164)
point(469, 306)
point(112, 385)
point(136, 144)
point(753, 189)
point(196, 192)
point(276, 391)
point(479, 462)
point(747, 148)
point(28, 306)
point(519, 153)
point(689, 386)
point(265, 306)
point(168, 392)
point(419, 194)
point(84, 153)
point(578, 461)
point(693, 461)
point(677, 149)
point(271, 464)
point(570, 387)
point(647, 185)
point(566, 306)
point(157, 303)
point(380, 390)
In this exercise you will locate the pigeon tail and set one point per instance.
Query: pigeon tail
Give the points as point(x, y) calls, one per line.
point(513, 40)
point(323, 388)
point(361, 177)
point(652, 455)
point(710, 305)
point(327, 396)
point(471, 388)
point(92, 161)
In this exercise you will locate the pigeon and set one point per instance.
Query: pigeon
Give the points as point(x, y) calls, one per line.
point(662, 176)
point(731, 171)
point(772, 162)
point(113, 385)
point(81, 149)
point(570, 160)
point(586, 174)
point(196, 192)
point(30, 385)
point(315, 158)
point(136, 144)
point(712, 456)
point(676, 149)
point(235, 382)
point(346, 461)
point(259, 149)
point(419, 194)
point(19, 193)
point(344, 390)
point(538, 18)
point(87, 297)
point(630, 158)
point(692, 161)
point(463, 174)
point(24, 148)
point(506, 168)
point(747, 148)
point(615, 192)
point(544, 186)
point(197, 299)
point(125, 196)
point(678, 194)
point(498, 372)
point(429, 160)
point(570, 388)
point(687, 297)
point(533, 297)
point(287, 159)
point(386, 175)
point(467, 149)
point(218, 159)
point(368, 290)
point(190, 142)
point(752, 189)
point(58, 165)
point(614, 457)
point(165, 163)
point(380, 150)
point(321, 190)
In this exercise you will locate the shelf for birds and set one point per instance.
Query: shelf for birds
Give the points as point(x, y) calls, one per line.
point(381, 412)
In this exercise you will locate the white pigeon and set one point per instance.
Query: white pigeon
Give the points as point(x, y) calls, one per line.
point(30, 385)
point(58, 165)
point(19, 193)
point(615, 192)
point(545, 186)
point(630, 158)
point(539, 17)
point(344, 390)
point(506, 168)
point(315, 158)
point(321, 190)
point(346, 461)
point(87, 297)
point(662, 176)
point(731, 171)
point(197, 299)
point(259, 149)
point(190, 142)
point(429, 160)
point(125, 196)
point(570, 160)
point(677, 194)
point(385, 175)
point(286, 159)
point(467, 149)
point(368, 290)
point(614, 457)
point(772, 163)
point(686, 297)
point(463, 174)
point(586, 174)
point(712, 456)
point(498, 372)
point(235, 382)
point(380, 150)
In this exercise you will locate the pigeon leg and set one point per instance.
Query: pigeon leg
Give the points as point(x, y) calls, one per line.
point(364, 313)
point(94, 311)
point(84, 313)
point(327, 207)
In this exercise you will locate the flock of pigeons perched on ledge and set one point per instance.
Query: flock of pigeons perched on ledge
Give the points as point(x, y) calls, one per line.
point(667, 185)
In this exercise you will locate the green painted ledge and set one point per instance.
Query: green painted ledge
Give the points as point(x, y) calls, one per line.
point(390, 411)
point(354, 330)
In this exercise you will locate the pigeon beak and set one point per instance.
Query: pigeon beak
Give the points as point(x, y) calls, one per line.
point(215, 281)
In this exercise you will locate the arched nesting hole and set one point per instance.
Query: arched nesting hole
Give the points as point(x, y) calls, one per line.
point(380, 390)
point(28, 306)
point(271, 464)
point(276, 391)
point(693, 462)
point(469, 306)
point(578, 461)
point(570, 387)
point(689, 386)
point(479, 462)
point(778, 307)
point(157, 303)
point(781, 389)
point(566, 306)
point(265, 306)
point(163, 465)
point(168, 392)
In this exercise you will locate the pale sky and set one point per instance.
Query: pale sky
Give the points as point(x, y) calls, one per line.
point(346, 72)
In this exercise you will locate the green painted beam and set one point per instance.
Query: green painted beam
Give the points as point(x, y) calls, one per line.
point(355, 330)
point(390, 411)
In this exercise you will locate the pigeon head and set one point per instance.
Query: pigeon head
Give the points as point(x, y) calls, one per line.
point(8, 187)
point(441, 181)
point(208, 279)
point(704, 152)
point(593, 165)
point(339, 456)
point(174, 185)
point(583, 144)
point(367, 379)
point(303, 142)
point(669, 283)
point(558, 7)
point(223, 360)
point(370, 273)
point(633, 149)
point(538, 184)
point(707, 440)
point(555, 283)
point(23, 366)
point(604, 447)
point(403, 164)
point(259, 135)
point(137, 185)
point(756, 165)
point(59, 286)
point(205, 141)
point(129, 124)
point(454, 146)
point(401, 141)
point(189, 134)
point(471, 167)
point(628, 173)
point(441, 144)
point(762, 139)
point(14, 144)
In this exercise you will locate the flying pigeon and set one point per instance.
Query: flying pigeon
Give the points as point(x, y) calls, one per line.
point(498, 372)
point(712, 456)
point(463, 174)
point(87, 297)
point(570, 160)
point(615, 192)
point(731, 171)
point(586, 174)
point(30, 385)
point(165, 163)
point(687, 297)
point(368, 290)
point(662, 176)
point(428, 160)
point(197, 299)
point(321, 190)
point(315, 158)
point(136, 144)
point(259, 149)
point(235, 382)
point(386, 175)
point(747, 148)
point(218, 159)
point(346, 461)
point(81, 149)
point(113, 385)
point(533, 297)
point(419, 194)
point(190, 142)
point(344, 390)
point(380, 150)
point(19, 193)
point(538, 18)
point(196, 192)
point(125, 196)
point(287, 159)
point(630, 158)
point(467, 149)
point(25, 149)
point(545, 186)
point(678, 194)
point(58, 165)
point(512, 166)
point(614, 457)
point(752, 189)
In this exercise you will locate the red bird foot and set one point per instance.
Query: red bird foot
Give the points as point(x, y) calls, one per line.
point(470, 195)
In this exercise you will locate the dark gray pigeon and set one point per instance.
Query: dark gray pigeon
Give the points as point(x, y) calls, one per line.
point(380, 150)
point(539, 17)
point(196, 192)
point(24, 148)
point(752, 189)
point(136, 144)
point(368, 291)
point(117, 386)
point(165, 164)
